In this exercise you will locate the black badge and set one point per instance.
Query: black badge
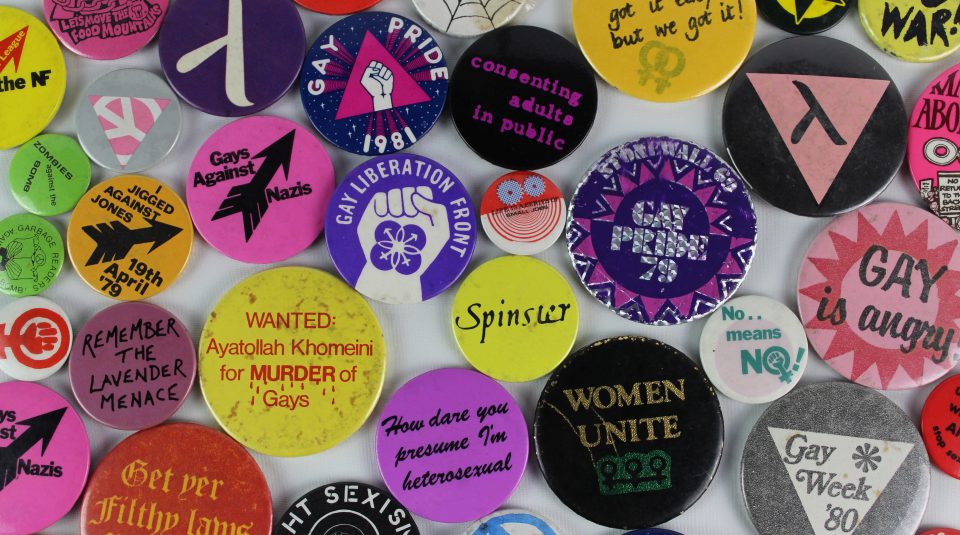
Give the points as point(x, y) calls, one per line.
point(803, 17)
point(628, 432)
point(346, 509)
point(523, 97)
point(815, 126)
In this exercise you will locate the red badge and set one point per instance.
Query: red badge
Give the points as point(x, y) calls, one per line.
point(940, 426)
point(941, 531)
point(177, 478)
point(337, 7)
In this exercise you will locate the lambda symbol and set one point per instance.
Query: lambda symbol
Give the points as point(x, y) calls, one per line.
point(815, 112)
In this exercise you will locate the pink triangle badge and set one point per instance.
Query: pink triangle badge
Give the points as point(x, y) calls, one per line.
point(126, 121)
point(819, 118)
point(378, 82)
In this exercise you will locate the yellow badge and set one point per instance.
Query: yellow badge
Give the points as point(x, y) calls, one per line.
point(910, 30)
point(515, 318)
point(292, 361)
point(665, 50)
point(130, 237)
point(33, 77)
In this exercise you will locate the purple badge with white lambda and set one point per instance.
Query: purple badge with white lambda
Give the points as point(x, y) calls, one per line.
point(662, 231)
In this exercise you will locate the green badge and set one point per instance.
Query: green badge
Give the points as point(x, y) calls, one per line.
point(49, 174)
point(31, 255)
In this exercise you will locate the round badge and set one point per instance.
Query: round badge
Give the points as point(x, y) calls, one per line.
point(249, 166)
point(132, 366)
point(815, 126)
point(877, 294)
point(401, 228)
point(803, 17)
point(35, 338)
point(33, 77)
point(301, 355)
point(105, 30)
point(512, 522)
point(128, 120)
point(235, 62)
point(834, 458)
point(452, 445)
point(628, 432)
point(130, 237)
point(754, 349)
point(654, 531)
point(45, 457)
point(337, 7)
point(374, 83)
point(31, 254)
point(665, 51)
point(910, 31)
point(346, 509)
point(515, 318)
point(177, 478)
point(940, 426)
point(523, 97)
point(469, 19)
point(942, 531)
point(523, 213)
point(932, 147)
point(661, 231)
point(48, 174)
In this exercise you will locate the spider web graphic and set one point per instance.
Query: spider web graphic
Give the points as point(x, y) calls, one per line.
point(485, 10)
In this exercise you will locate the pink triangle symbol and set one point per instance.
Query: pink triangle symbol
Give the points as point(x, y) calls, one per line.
point(126, 121)
point(847, 102)
point(357, 101)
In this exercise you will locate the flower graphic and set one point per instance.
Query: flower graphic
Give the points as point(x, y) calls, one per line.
point(398, 247)
point(867, 457)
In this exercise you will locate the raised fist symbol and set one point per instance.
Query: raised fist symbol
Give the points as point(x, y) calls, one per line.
point(402, 232)
point(377, 79)
point(39, 337)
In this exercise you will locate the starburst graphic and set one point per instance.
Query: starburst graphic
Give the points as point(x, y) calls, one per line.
point(700, 265)
point(869, 341)
point(867, 457)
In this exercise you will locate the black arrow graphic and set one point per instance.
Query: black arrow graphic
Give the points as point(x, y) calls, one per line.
point(41, 429)
point(114, 239)
point(250, 199)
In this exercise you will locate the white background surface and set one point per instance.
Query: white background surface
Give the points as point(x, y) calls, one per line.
point(419, 337)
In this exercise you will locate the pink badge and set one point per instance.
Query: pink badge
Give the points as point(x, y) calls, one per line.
point(932, 143)
point(452, 445)
point(258, 189)
point(878, 296)
point(44, 457)
point(132, 366)
point(105, 30)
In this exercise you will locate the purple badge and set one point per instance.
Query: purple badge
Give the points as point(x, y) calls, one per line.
point(132, 366)
point(232, 57)
point(401, 228)
point(452, 445)
point(661, 230)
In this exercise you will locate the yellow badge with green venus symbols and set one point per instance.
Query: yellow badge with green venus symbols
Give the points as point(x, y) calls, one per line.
point(291, 361)
point(665, 50)
point(515, 318)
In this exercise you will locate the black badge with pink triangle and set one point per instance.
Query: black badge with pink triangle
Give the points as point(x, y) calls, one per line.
point(815, 126)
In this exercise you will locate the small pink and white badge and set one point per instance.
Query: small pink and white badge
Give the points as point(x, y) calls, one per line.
point(44, 457)
point(452, 445)
point(132, 366)
point(878, 296)
point(258, 189)
point(932, 146)
point(105, 30)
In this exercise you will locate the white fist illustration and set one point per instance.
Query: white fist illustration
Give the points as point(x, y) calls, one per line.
point(402, 232)
point(377, 79)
